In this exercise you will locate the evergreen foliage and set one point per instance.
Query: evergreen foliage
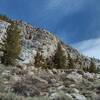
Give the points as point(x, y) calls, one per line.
point(59, 58)
point(39, 61)
point(92, 67)
point(85, 69)
point(5, 18)
point(70, 62)
point(11, 45)
point(57, 61)
point(98, 70)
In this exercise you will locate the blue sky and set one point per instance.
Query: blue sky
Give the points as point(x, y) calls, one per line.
point(76, 22)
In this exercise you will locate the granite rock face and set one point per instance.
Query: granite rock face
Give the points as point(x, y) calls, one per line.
point(35, 40)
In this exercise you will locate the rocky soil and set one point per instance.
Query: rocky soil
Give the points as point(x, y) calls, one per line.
point(28, 81)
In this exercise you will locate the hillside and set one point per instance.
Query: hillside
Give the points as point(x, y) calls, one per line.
point(40, 40)
point(26, 82)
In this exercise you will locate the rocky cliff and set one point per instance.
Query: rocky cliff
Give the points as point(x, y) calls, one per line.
point(35, 40)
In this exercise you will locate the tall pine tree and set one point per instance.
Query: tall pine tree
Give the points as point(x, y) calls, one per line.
point(92, 68)
point(59, 58)
point(11, 46)
point(70, 62)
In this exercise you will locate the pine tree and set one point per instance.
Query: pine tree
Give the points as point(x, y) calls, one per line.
point(92, 68)
point(5, 18)
point(70, 62)
point(59, 58)
point(11, 45)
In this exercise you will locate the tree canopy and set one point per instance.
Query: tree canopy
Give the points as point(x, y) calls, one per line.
point(11, 46)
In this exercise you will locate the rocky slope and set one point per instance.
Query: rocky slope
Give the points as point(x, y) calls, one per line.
point(48, 84)
point(39, 40)
point(25, 82)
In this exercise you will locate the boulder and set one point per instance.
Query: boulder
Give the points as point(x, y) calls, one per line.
point(75, 77)
point(60, 96)
point(74, 90)
point(88, 75)
point(78, 96)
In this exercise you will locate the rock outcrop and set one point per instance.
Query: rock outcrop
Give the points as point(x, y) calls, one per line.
point(35, 40)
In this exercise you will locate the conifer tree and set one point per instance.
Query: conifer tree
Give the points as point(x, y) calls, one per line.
point(70, 62)
point(92, 68)
point(59, 58)
point(11, 46)
point(5, 18)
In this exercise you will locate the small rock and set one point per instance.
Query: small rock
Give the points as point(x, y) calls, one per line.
point(61, 87)
point(78, 96)
point(53, 81)
point(75, 77)
point(74, 90)
point(50, 72)
point(98, 76)
point(69, 97)
point(6, 73)
point(72, 85)
point(30, 73)
point(60, 96)
point(54, 71)
point(15, 78)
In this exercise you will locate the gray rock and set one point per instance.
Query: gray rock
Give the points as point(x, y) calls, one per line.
point(78, 96)
point(60, 96)
point(74, 90)
point(75, 77)
point(61, 87)
point(89, 75)
point(69, 97)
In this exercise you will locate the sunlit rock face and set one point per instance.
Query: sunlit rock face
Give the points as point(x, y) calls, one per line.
point(3, 28)
point(35, 40)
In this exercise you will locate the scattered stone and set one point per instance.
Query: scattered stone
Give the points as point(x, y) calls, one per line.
point(41, 82)
point(60, 96)
point(74, 90)
point(89, 75)
point(69, 97)
point(72, 85)
point(61, 87)
point(75, 77)
point(78, 96)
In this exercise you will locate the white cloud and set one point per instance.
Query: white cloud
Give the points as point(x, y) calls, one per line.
point(89, 47)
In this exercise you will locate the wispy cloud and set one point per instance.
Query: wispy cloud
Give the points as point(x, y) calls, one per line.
point(71, 20)
point(89, 47)
point(65, 5)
